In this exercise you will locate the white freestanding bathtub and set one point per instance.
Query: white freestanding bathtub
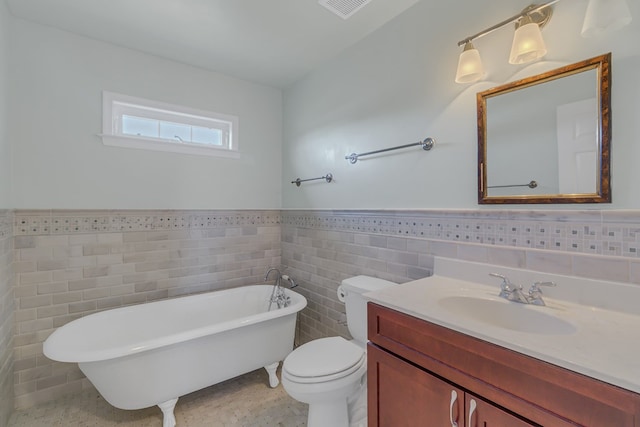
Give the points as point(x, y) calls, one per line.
point(153, 353)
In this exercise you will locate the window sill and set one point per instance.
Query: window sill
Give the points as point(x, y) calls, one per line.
point(155, 145)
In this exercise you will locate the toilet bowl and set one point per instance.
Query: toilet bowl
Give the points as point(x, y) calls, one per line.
point(324, 373)
point(329, 374)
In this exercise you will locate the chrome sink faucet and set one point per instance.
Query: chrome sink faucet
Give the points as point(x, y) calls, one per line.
point(513, 292)
point(510, 291)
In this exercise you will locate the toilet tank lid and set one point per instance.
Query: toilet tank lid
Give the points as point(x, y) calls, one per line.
point(365, 283)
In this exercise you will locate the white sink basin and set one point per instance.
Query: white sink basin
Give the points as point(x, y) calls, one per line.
point(588, 326)
point(507, 314)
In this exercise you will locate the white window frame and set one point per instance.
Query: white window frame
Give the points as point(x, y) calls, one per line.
point(115, 105)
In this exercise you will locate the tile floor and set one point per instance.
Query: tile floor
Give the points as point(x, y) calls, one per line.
point(246, 401)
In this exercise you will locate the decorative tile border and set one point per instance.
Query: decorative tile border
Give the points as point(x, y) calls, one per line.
point(47, 222)
point(610, 233)
point(591, 232)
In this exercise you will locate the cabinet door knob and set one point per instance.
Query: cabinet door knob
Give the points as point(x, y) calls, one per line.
point(454, 398)
point(472, 409)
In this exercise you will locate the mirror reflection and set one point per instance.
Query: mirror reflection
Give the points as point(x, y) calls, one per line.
point(545, 139)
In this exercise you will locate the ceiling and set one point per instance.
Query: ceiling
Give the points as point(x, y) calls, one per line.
point(272, 42)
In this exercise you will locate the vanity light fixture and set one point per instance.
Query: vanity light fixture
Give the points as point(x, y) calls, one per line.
point(528, 45)
point(605, 15)
point(470, 67)
point(527, 42)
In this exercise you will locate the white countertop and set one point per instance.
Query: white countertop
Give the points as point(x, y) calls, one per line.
point(603, 343)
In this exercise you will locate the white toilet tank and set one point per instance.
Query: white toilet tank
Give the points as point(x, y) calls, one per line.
point(350, 292)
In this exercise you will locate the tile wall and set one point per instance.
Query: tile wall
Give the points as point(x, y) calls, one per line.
point(6, 316)
point(321, 248)
point(72, 263)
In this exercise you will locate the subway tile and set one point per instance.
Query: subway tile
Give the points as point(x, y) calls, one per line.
point(110, 238)
point(37, 277)
point(34, 302)
point(24, 266)
point(476, 253)
point(67, 297)
point(34, 373)
point(68, 274)
point(111, 302)
point(82, 239)
point(52, 288)
point(63, 320)
point(78, 285)
point(52, 311)
point(24, 242)
point(99, 271)
point(91, 250)
point(34, 254)
point(444, 249)
point(549, 262)
point(51, 241)
point(80, 307)
point(60, 264)
point(508, 257)
point(51, 381)
point(614, 269)
point(35, 325)
point(92, 294)
point(21, 291)
point(83, 261)
point(109, 259)
point(23, 315)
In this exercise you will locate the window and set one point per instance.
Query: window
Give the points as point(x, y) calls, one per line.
point(140, 123)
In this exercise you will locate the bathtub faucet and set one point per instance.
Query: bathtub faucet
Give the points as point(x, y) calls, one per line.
point(292, 284)
point(278, 295)
point(266, 276)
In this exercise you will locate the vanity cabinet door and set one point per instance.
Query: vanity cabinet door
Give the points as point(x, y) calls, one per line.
point(401, 394)
point(479, 413)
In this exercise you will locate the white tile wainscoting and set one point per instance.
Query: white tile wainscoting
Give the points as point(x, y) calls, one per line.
point(321, 248)
point(7, 302)
point(71, 263)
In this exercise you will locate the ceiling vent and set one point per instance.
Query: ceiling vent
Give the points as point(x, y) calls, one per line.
point(344, 8)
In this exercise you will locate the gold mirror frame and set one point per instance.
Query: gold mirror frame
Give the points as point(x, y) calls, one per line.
point(602, 65)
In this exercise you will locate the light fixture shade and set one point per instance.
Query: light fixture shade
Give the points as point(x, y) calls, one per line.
point(605, 15)
point(528, 44)
point(470, 67)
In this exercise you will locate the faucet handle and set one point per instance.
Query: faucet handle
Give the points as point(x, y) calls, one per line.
point(506, 287)
point(535, 288)
point(506, 283)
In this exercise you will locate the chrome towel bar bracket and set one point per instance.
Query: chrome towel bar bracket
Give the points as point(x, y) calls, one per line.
point(426, 145)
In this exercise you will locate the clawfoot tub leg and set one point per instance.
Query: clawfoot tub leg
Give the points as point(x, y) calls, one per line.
point(273, 378)
point(169, 419)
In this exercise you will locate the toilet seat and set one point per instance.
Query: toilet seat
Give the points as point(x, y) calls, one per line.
point(323, 360)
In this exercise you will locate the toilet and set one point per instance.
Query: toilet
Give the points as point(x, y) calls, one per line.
point(329, 374)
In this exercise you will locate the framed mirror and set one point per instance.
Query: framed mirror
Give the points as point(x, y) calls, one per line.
point(546, 138)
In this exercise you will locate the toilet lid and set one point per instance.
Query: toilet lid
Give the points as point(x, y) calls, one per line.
point(323, 357)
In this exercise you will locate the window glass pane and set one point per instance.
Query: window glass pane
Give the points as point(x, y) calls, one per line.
point(208, 136)
point(139, 126)
point(175, 131)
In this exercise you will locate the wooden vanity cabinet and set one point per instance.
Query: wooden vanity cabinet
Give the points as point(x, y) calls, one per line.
point(414, 366)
